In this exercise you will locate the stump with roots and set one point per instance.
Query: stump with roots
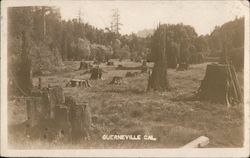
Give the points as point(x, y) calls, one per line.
point(117, 80)
point(78, 83)
point(84, 66)
point(69, 117)
point(220, 85)
point(96, 73)
point(182, 67)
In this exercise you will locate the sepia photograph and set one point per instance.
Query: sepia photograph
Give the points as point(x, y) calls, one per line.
point(135, 78)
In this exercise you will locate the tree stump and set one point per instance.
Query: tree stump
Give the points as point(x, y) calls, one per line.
point(221, 85)
point(96, 73)
point(85, 84)
point(79, 118)
point(117, 80)
point(78, 83)
point(84, 66)
point(158, 79)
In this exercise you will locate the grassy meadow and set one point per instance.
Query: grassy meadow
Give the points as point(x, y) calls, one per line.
point(170, 117)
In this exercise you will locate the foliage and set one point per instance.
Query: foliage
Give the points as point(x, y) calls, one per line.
point(72, 38)
point(100, 53)
point(230, 37)
point(180, 40)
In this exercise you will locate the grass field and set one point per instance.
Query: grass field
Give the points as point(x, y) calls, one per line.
point(130, 109)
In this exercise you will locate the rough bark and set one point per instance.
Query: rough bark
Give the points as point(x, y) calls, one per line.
point(158, 80)
point(221, 85)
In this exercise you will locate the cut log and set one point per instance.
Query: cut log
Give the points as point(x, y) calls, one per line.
point(117, 80)
point(200, 142)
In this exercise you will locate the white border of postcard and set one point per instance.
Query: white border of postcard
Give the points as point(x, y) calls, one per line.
point(199, 152)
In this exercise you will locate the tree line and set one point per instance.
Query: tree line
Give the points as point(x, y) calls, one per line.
point(49, 35)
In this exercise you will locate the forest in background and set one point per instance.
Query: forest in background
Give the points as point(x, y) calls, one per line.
point(49, 40)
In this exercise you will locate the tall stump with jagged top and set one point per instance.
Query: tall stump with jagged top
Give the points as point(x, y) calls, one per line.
point(158, 79)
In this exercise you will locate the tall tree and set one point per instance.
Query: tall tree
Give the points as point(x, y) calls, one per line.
point(115, 23)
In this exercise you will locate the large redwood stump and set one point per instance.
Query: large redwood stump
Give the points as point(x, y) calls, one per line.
point(221, 85)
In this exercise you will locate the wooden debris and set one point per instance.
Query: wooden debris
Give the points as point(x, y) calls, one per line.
point(199, 142)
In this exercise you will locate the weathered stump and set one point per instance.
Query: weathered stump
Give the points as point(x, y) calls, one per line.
point(158, 79)
point(220, 84)
point(96, 73)
point(117, 80)
point(79, 118)
point(84, 66)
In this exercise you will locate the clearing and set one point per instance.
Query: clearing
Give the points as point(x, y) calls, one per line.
point(129, 109)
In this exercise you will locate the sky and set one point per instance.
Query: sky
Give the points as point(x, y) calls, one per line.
point(138, 15)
